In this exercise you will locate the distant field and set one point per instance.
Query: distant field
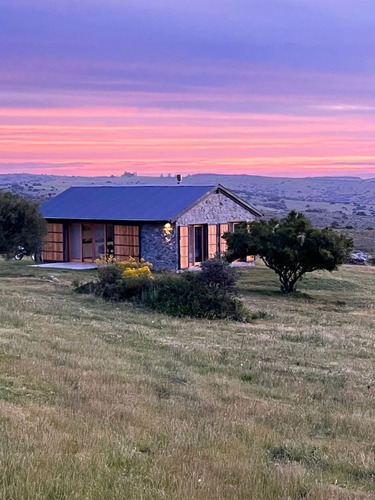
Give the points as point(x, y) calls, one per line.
point(108, 401)
point(326, 200)
point(363, 239)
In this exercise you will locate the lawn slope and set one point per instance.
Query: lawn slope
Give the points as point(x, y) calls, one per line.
point(109, 401)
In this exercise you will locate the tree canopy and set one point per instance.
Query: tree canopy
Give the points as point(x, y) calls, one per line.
point(291, 247)
point(21, 223)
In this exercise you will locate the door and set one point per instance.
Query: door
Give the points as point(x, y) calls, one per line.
point(86, 242)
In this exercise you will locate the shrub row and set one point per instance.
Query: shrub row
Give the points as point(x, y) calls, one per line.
point(210, 293)
point(190, 295)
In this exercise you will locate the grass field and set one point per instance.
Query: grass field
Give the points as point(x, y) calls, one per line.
point(363, 239)
point(109, 401)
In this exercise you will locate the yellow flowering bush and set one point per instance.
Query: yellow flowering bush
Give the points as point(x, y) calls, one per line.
point(104, 260)
point(136, 270)
point(120, 280)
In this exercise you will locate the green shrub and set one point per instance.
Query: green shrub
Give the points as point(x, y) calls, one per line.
point(217, 274)
point(110, 285)
point(209, 293)
point(172, 294)
point(84, 288)
point(247, 377)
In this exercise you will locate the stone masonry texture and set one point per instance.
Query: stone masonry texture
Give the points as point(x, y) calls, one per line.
point(159, 246)
point(159, 243)
point(215, 209)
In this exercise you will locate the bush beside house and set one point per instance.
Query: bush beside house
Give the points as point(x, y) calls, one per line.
point(210, 293)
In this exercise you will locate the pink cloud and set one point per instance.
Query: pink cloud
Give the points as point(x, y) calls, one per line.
point(110, 139)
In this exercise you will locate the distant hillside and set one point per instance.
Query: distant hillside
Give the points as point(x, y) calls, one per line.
point(342, 202)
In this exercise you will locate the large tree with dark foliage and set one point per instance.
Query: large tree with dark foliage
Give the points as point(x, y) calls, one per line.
point(21, 223)
point(291, 247)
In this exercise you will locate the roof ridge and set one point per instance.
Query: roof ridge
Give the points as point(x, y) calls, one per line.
point(143, 185)
point(141, 202)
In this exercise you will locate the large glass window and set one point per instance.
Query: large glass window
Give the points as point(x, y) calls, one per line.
point(87, 250)
point(110, 239)
point(75, 242)
point(99, 244)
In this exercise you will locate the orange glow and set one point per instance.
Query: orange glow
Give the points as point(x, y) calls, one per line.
point(108, 140)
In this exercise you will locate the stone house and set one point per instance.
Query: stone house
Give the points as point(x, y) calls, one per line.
point(173, 227)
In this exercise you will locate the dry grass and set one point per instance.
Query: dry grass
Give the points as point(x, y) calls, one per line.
point(104, 401)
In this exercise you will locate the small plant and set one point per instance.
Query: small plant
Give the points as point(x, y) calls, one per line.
point(247, 377)
point(223, 356)
point(258, 315)
point(105, 260)
point(84, 288)
point(306, 455)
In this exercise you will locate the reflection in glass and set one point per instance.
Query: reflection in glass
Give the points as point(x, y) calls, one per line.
point(87, 242)
point(75, 241)
point(198, 243)
point(99, 241)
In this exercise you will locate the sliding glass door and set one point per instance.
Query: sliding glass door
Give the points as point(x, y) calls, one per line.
point(99, 240)
point(86, 242)
point(75, 243)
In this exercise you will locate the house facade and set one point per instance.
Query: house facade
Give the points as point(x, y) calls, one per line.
point(173, 227)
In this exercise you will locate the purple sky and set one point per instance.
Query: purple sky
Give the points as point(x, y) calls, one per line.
point(254, 63)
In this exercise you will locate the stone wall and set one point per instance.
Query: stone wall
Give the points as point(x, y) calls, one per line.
point(159, 246)
point(159, 242)
point(215, 209)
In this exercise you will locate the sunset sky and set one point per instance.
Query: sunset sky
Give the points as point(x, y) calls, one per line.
point(265, 87)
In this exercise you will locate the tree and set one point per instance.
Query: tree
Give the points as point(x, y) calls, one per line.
point(291, 247)
point(21, 223)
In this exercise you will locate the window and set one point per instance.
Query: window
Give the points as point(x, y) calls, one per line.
point(193, 245)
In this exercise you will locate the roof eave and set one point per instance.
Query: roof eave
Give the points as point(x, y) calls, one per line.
point(105, 219)
point(241, 202)
point(203, 197)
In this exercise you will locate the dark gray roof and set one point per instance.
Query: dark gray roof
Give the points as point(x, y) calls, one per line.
point(126, 203)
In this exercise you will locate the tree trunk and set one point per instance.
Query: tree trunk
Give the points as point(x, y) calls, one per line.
point(287, 285)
